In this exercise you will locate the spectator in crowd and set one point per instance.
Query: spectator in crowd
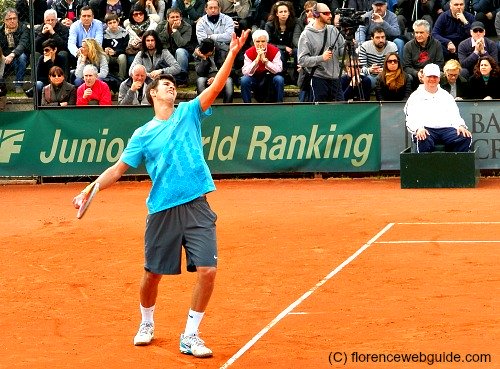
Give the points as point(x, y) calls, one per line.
point(485, 12)
point(452, 27)
point(261, 14)
point(91, 53)
point(121, 8)
point(485, 81)
point(445, 4)
point(355, 85)
point(133, 89)
point(320, 63)
point(58, 92)
point(262, 71)
point(15, 43)
point(476, 46)
point(452, 81)
point(155, 9)
point(115, 42)
point(217, 26)
point(3, 85)
point(93, 91)
point(191, 10)
point(23, 10)
point(138, 23)
point(432, 116)
point(155, 58)
point(206, 69)
point(497, 24)
point(85, 27)
point(68, 11)
point(360, 5)
point(380, 16)
point(49, 59)
point(175, 35)
point(280, 29)
point(52, 29)
point(393, 83)
point(420, 51)
point(409, 11)
point(303, 20)
point(239, 11)
point(2, 65)
point(372, 54)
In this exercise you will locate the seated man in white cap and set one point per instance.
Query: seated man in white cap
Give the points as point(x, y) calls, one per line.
point(432, 116)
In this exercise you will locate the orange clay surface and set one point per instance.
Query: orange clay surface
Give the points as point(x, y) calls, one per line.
point(291, 290)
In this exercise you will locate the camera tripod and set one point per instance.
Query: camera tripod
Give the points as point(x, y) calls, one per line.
point(349, 55)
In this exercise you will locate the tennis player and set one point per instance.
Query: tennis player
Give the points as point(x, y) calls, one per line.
point(178, 212)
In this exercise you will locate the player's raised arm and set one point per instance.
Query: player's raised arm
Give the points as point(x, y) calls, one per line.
point(208, 96)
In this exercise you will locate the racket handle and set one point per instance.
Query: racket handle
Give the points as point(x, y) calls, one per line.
point(87, 189)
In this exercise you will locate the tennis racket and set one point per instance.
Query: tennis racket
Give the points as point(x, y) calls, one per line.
point(87, 199)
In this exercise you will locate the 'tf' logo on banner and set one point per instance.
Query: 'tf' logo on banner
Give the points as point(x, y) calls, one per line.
point(10, 143)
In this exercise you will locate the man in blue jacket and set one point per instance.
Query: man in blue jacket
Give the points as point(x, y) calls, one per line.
point(452, 27)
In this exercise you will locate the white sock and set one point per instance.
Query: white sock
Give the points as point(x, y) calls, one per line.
point(193, 322)
point(147, 314)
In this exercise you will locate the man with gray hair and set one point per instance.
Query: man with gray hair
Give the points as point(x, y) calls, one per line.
point(93, 91)
point(133, 89)
point(420, 51)
point(52, 29)
point(261, 71)
point(319, 51)
point(15, 45)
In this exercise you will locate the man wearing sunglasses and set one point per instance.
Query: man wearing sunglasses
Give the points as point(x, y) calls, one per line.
point(474, 47)
point(319, 51)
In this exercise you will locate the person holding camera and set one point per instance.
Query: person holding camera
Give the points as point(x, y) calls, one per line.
point(319, 51)
point(380, 16)
point(206, 69)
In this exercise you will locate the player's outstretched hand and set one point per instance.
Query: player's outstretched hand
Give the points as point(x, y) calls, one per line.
point(238, 42)
point(77, 200)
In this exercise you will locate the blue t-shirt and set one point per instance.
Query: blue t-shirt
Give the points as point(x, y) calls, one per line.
point(172, 151)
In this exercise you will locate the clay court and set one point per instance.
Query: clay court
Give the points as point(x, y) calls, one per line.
point(313, 273)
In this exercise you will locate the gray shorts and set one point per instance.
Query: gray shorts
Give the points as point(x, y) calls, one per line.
point(191, 225)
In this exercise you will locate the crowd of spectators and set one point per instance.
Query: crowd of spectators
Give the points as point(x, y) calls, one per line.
point(117, 47)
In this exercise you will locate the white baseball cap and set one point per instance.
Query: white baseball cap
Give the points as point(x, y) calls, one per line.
point(432, 70)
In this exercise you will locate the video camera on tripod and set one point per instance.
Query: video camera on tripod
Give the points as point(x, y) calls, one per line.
point(350, 19)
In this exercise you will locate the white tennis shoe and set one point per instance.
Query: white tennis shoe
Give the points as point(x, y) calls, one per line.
point(145, 334)
point(194, 345)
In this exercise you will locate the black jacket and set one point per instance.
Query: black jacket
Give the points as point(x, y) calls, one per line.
point(60, 37)
point(21, 41)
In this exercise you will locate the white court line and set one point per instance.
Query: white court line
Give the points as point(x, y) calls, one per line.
point(302, 298)
point(435, 241)
point(439, 223)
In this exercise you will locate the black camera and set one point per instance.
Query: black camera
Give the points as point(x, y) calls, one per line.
point(351, 18)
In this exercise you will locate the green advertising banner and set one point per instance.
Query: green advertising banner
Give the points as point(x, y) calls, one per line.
point(237, 139)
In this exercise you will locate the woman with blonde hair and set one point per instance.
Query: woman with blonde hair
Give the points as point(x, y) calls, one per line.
point(452, 81)
point(393, 83)
point(91, 52)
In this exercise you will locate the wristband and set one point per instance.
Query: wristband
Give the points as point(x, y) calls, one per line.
point(87, 189)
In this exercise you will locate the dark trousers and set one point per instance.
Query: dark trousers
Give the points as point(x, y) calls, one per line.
point(322, 90)
point(444, 136)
